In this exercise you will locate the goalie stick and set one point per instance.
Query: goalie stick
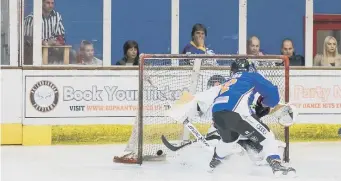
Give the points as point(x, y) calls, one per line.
point(197, 134)
point(209, 136)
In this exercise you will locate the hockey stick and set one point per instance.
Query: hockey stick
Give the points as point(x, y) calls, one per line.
point(209, 136)
point(197, 134)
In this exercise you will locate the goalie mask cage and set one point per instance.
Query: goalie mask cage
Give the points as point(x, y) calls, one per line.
point(161, 84)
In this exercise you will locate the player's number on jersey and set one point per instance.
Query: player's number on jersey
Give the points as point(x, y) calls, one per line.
point(226, 86)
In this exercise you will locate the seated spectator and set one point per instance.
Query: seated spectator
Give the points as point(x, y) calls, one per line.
point(289, 50)
point(253, 49)
point(131, 54)
point(86, 54)
point(253, 46)
point(197, 44)
point(330, 56)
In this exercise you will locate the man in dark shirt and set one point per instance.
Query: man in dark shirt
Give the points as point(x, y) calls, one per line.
point(288, 50)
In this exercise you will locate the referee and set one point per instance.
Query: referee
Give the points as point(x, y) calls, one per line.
point(52, 28)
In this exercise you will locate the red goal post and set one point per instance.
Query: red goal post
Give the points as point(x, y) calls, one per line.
point(160, 84)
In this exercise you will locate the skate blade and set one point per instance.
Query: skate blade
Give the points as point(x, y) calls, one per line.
point(210, 170)
point(291, 173)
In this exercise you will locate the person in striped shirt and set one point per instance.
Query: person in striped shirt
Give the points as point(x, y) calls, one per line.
point(52, 28)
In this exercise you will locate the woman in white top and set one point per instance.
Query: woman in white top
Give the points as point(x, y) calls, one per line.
point(330, 56)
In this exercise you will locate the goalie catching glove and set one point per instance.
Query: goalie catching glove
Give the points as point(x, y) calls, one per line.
point(285, 114)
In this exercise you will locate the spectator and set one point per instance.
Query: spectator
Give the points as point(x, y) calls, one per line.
point(52, 32)
point(131, 54)
point(86, 54)
point(253, 46)
point(330, 56)
point(197, 44)
point(289, 50)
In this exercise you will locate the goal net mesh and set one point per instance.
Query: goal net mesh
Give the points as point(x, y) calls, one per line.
point(161, 84)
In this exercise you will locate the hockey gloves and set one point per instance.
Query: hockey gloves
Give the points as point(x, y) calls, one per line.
point(260, 109)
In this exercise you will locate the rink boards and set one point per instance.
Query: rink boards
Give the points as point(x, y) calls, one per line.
point(43, 107)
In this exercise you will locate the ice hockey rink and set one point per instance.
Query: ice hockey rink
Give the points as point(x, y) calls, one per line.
point(313, 161)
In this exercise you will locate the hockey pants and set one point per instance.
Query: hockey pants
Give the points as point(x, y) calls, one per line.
point(230, 125)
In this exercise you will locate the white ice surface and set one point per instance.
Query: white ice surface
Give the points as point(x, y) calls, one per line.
point(313, 161)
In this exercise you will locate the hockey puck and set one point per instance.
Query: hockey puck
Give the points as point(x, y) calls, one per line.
point(159, 152)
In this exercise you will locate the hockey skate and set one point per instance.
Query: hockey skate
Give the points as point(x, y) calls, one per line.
point(278, 169)
point(216, 161)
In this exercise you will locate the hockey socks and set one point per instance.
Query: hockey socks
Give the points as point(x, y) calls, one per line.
point(216, 160)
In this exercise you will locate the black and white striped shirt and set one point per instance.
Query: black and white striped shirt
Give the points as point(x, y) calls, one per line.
point(52, 26)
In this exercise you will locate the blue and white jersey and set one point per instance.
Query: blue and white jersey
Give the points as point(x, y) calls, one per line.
point(235, 94)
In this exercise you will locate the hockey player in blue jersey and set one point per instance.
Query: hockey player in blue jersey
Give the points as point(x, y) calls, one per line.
point(233, 118)
point(258, 109)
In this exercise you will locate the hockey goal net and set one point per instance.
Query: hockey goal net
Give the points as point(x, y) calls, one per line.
point(162, 80)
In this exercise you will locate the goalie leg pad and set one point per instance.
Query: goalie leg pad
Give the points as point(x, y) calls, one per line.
point(270, 145)
point(212, 128)
point(248, 144)
point(267, 137)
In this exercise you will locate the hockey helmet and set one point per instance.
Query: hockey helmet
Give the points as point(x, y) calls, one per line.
point(215, 79)
point(240, 65)
point(252, 67)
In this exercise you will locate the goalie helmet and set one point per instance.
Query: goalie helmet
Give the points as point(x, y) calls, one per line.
point(214, 80)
